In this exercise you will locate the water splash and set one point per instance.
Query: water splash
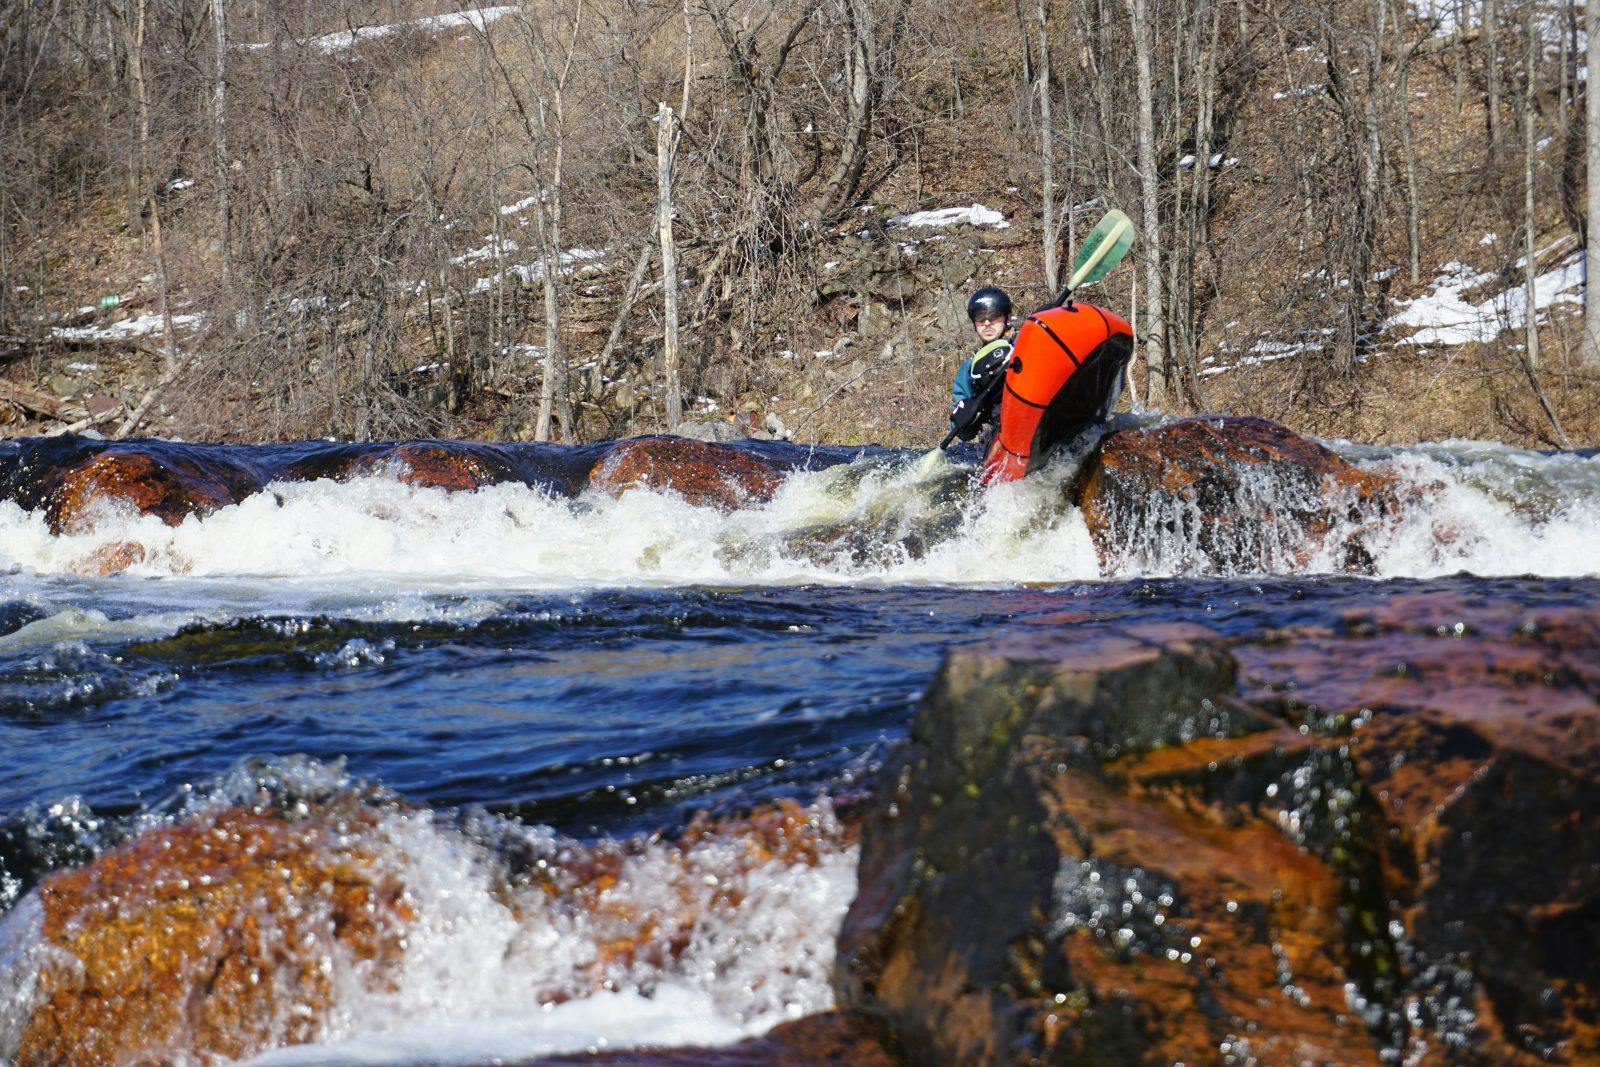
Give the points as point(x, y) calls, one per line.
point(522, 942)
point(1470, 506)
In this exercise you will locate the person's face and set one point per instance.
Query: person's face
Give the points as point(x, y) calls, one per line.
point(990, 328)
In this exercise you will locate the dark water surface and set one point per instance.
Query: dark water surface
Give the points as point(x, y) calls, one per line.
point(594, 712)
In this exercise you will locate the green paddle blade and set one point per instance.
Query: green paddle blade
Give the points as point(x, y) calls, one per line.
point(1103, 249)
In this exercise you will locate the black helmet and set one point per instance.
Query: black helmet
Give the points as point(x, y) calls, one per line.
point(987, 303)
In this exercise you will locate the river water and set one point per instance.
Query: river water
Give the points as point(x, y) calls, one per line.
point(585, 670)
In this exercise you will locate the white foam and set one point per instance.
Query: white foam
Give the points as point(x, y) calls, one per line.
point(377, 531)
point(374, 545)
point(521, 971)
point(673, 1015)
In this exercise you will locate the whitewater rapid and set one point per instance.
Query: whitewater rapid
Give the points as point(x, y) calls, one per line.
point(594, 666)
point(1486, 509)
point(724, 942)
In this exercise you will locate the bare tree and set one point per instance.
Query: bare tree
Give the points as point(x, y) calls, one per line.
point(1150, 192)
point(1047, 152)
point(666, 146)
point(1591, 111)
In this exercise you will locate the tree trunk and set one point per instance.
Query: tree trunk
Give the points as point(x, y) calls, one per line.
point(219, 134)
point(1530, 267)
point(863, 81)
point(1591, 110)
point(1491, 28)
point(141, 171)
point(1413, 210)
point(629, 295)
point(1047, 152)
point(1150, 188)
point(665, 145)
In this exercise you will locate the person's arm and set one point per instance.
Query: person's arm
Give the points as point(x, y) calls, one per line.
point(961, 391)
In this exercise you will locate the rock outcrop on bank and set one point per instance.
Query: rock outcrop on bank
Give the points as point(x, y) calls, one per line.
point(1356, 845)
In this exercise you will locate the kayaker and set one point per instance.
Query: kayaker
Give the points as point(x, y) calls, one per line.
point(972, 403)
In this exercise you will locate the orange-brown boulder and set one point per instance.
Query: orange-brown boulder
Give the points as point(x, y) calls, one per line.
point(211, 938)
point(1041, 879)
point(441, 466)
point(1474, 750)
point(1222, 494)
point(168, 485)
point(704, 474)
point(1363, 844)
point(452, 465)
point(111, 559)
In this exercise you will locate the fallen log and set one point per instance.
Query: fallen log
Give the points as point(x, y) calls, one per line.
point(40, 403)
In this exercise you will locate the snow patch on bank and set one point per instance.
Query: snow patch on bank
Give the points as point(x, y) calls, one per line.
point(974, 215)
point(345, 40)
point(127, 329)
point(1446, 316)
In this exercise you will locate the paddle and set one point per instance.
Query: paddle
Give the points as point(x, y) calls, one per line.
point(1101, 251)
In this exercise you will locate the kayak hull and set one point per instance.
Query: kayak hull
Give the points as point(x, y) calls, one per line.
point(1065, 374)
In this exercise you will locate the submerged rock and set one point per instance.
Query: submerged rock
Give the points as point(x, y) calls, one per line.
point(244, 929)
point(452, 465)
point(169, 486)
point(1151, 845)
point(703, 473)
point(1223, 494)
point(213, 937)
point(113, 558)
point(832, 1037)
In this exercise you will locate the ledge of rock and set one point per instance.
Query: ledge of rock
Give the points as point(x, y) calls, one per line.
point(703, 473)
point(452, 465)
point(167, 485)
point(208, 938)
point(1231, 494)
point(1373, 842)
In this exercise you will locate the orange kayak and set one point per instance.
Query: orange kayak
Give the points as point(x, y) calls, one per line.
point(1064, 375)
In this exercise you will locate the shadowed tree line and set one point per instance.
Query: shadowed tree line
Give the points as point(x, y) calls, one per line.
point(383, 220)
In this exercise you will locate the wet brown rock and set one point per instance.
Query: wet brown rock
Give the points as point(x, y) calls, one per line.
point(206, 939)
point(451, 465)
point(704, 474)
point(833, 1037)
point(442, 466)
point(111, 559)
point(169, 486)
point(1322, 845)
point(1051, 873)
point(1242, 494)
point(1477, 748)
